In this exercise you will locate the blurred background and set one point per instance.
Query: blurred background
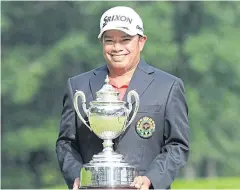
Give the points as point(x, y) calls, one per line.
point(45, 43)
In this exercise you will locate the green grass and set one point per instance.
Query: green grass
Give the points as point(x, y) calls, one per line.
point(216, 183)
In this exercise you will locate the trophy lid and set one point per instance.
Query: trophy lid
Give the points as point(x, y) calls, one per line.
point(108, 93)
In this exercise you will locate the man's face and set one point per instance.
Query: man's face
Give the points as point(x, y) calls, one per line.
point(121, 51)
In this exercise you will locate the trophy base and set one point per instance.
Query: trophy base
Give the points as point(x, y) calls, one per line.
point(107, 171)
point(114, 188)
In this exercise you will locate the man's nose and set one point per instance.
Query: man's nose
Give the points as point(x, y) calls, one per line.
point(117, 47)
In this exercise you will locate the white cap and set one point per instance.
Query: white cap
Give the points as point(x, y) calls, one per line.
point(121, 18)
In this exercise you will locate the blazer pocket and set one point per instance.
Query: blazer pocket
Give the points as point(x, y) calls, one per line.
point(149, 108)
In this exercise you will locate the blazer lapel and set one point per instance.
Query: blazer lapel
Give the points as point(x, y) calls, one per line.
point(98, 80)
point(141, 79)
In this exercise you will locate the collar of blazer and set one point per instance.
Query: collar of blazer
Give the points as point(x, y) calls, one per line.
point(142, 78)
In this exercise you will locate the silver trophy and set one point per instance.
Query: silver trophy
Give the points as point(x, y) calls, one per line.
point(108, 118)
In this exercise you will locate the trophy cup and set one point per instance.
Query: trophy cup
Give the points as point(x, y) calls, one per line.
point(108, 118)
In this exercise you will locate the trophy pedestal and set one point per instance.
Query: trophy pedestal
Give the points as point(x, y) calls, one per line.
point(107, 177)
point(107, 170)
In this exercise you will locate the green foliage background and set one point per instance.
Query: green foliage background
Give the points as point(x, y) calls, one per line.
point(45, 43)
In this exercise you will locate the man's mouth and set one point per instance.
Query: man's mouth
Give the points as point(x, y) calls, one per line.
point(121, 55)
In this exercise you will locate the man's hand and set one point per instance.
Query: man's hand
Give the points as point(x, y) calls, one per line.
point(141, 182)
point(76, 184)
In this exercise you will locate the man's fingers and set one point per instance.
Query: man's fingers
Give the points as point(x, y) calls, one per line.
point(139, 182)
point(75, 188)
point(134, 181)
point(76, 184)
point(144, 187)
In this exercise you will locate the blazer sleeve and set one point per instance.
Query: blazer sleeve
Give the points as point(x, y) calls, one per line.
point(69, 158)
point(175, 152)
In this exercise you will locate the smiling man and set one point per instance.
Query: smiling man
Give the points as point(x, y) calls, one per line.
point(157, 141)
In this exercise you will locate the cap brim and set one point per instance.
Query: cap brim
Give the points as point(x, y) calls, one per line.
point(127, 31)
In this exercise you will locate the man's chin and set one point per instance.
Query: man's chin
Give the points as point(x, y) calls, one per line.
point(118, 60)
point(118, 66)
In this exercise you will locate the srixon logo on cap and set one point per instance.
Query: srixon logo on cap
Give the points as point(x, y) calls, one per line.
point(108, 19)
point(139, 28)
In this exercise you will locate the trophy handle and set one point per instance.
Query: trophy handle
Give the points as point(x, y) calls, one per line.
point(135, 95)
point(75, 103)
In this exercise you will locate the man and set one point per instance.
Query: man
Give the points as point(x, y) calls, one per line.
point(157, 141)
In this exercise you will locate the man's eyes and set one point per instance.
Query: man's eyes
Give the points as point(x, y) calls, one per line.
point(111, 41)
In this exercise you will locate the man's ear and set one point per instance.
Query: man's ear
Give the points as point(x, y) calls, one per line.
point(101, 39)
point(142, 41)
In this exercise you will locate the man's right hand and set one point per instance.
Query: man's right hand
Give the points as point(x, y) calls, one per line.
point(76, 184)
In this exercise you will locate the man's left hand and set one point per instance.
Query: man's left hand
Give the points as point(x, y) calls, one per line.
point(141, 182)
